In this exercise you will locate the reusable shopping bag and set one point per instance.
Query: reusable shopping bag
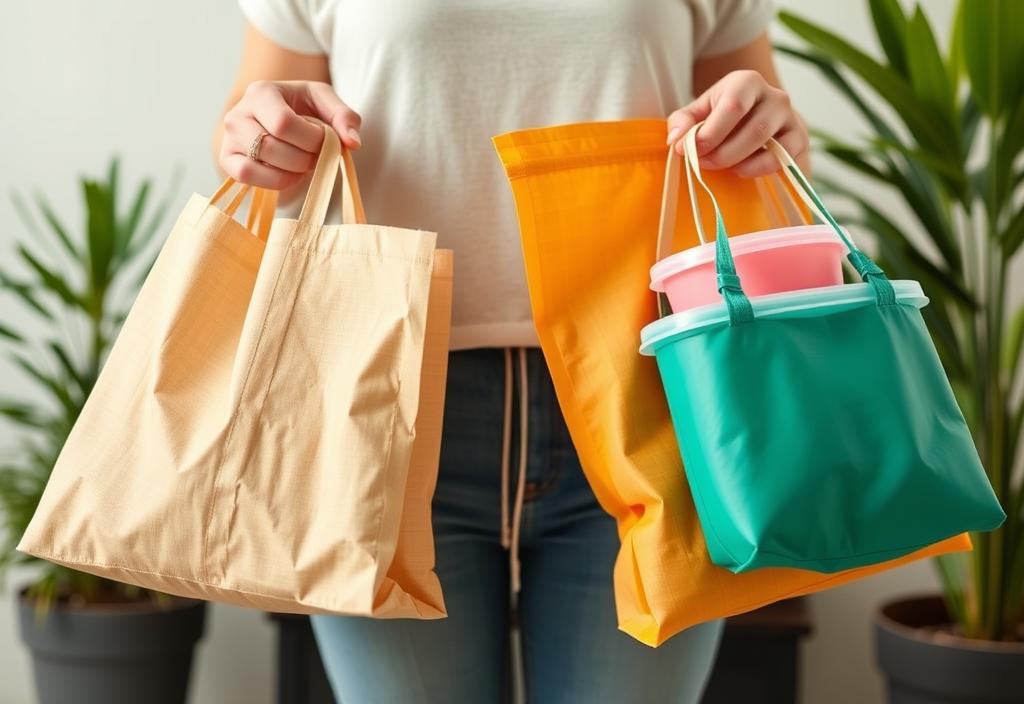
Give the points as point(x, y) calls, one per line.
point(266, 429)
point(818, 428)
point(588, 197)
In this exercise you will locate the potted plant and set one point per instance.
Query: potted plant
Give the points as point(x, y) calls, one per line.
point(946, 137)
point(92, 639)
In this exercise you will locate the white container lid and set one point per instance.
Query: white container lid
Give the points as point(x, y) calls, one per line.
point(788, 304)
point(740, 245)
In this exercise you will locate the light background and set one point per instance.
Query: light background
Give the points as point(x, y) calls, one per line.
point(83, 80)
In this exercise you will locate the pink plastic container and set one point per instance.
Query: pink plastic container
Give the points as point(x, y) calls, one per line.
point(770, 261)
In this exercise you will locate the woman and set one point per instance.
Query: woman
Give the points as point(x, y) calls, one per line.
point(419, 87)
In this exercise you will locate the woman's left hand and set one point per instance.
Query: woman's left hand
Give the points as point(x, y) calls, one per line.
point(740, 112)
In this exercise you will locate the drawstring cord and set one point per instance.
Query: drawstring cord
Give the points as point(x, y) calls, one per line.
point(506, 440)
point(510, 533)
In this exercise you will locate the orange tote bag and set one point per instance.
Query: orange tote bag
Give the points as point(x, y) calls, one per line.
point(266, 429)
point(588, 198)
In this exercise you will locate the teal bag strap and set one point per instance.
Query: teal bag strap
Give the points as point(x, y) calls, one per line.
point(868, 270)
point(729, 284)
point(736, 301)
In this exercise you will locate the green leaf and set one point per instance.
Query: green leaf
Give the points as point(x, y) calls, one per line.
point(58, 229)
point(130, 225)
point(951, 570)
point(951, 169)
point(970, 118)
point(101, 235)
point(26, 294)
point(50, 383)
point(918, 185)
point(1013, 235)
point(10, 334)
point(1010, 141)
point(21, 413)
point(828, 69)
point(156, 219)
point(1013, 345)
point(64, 359)
point(994, 52)
point(854, 157)
point(891, 28)
point(924, 205)
point(955, 57)
point(25, 215)
point(889, 85)
point(51, 280)
point(113, 172)
point(927, 72)
point(920, 194)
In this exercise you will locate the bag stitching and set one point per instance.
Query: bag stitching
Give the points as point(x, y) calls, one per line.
point(562, 164)
point(234, 420)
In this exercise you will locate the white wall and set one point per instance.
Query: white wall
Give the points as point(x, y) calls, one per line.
point(146, 80)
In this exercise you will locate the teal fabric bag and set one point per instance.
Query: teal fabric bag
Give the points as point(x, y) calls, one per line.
point(817, 428)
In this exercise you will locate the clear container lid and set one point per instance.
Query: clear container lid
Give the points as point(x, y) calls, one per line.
point(788, 304)
point(740, 245)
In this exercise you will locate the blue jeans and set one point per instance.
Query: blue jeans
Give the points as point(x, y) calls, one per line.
point(571, 650)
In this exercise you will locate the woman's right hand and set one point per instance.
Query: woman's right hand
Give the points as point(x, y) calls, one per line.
point(290, 147)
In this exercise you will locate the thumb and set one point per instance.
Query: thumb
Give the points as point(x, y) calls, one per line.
point(325, 104)
point(680, 121)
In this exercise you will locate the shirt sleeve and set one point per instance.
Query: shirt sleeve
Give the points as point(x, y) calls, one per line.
point(721, 26)
point(288, 23)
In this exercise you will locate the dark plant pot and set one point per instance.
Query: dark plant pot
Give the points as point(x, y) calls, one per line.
point(926, 664)
point(113, 654)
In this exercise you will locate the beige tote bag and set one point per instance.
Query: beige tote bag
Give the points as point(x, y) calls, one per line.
point(267, 427)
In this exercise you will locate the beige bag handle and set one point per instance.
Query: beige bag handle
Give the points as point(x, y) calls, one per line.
point(783, 206)
point(333, 159)
point(235, 201)
point(261, 212)
point(262, 205)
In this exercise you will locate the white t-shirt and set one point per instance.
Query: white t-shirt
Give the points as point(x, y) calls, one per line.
point(434, 80)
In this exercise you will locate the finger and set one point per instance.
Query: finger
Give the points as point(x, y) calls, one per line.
point(272, 151)
point(764, 162)
point(245, 170)
point(326, 104)
point(269, 107)
point(764, 121)
point(680, 121)
point(794, 140)
point(737, 98)
point(760, 164)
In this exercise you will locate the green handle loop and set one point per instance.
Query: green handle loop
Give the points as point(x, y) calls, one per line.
point(869, 271)
point(729, 285)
